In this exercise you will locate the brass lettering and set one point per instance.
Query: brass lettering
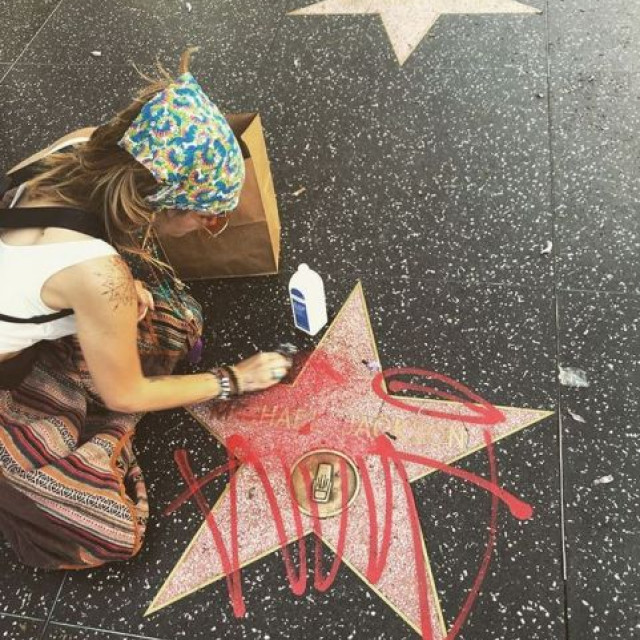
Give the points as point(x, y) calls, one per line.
point(457, 436)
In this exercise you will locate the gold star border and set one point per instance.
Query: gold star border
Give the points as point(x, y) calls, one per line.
point(436, 404)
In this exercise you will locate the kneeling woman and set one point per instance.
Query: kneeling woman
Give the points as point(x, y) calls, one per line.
point(86, 349)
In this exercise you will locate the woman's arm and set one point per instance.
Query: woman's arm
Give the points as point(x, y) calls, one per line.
point(103, 296)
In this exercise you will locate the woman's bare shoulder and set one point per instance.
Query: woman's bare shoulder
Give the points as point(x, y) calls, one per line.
point(36, 236)
point(55, 235)
point(99, 283)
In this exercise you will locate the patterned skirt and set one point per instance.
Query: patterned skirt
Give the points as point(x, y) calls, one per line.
point(71, 492)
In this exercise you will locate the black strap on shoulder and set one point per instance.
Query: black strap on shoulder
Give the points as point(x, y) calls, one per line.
point(49, 317)
point(60, 217)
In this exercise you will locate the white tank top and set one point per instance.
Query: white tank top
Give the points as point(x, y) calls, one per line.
point(23, 271)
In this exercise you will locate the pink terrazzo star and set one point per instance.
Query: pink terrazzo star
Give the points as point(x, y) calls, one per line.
point(331, 405)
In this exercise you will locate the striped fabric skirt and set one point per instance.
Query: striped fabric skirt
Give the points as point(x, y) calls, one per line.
point(71, 492)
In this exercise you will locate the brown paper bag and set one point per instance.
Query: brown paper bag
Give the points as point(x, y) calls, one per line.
point(250, 245)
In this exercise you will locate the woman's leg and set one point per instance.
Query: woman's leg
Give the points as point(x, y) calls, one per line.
point(70, 459)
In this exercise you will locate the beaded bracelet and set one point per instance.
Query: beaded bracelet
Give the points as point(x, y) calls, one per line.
point(233, 374)
point(224, 381)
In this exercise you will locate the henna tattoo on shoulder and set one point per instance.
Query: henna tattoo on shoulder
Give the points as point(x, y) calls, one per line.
point(117, 284)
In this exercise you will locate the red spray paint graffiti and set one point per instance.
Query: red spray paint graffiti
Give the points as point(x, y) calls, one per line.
point(480, 414)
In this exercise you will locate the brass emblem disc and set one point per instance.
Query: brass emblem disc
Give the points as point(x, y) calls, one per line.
point(324, 468)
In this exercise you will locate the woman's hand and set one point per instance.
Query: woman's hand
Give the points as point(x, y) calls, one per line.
point(261, 371)
point(145, 299)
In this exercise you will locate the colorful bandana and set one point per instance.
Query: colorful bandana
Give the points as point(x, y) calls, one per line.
point(181, 137)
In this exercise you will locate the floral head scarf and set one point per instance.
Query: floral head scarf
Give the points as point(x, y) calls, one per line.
point(181, 137)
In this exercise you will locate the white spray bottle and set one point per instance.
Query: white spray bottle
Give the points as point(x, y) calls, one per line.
point(306, 292)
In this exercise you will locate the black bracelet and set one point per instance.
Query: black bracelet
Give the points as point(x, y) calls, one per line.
point(233, 375)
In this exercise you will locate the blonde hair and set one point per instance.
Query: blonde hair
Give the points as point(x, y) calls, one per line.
point(101, 178)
